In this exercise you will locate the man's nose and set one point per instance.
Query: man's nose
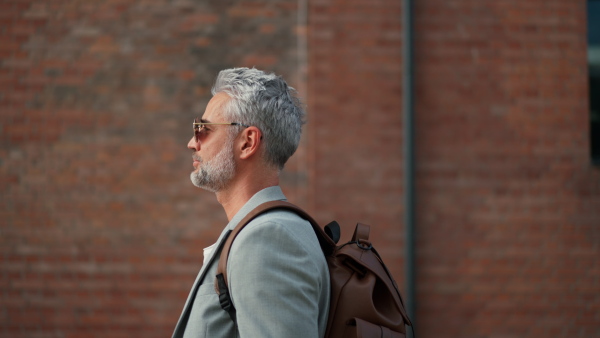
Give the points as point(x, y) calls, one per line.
point(193, 144)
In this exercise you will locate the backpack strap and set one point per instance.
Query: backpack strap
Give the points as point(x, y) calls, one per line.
point(221, 283)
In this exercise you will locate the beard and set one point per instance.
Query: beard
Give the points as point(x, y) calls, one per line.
point(215, 175)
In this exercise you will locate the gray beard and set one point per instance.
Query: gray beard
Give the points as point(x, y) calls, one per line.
point(215, 175)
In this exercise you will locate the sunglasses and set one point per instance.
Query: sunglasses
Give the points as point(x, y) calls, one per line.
point(199, 126)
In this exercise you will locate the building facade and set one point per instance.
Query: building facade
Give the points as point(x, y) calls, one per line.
point(101, 232)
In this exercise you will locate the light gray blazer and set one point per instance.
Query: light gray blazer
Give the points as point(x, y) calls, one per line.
point(278, 280)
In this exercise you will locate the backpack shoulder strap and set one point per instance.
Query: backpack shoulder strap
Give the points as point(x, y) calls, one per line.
point(221, 282)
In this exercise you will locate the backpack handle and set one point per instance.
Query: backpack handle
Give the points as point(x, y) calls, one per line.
point(361, 233)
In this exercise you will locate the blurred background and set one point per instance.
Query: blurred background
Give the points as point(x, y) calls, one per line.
point(101, 230)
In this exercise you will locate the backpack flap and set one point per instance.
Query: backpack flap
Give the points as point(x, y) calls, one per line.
point(370, 261)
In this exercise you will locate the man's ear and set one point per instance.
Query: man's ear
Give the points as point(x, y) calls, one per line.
point(250, 140)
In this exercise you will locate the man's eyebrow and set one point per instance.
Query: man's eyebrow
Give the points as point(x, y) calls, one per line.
point(204, 121)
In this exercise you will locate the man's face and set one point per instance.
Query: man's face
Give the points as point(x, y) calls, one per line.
point(213, 156)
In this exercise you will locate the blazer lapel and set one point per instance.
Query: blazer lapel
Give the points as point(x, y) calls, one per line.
point(181, 324)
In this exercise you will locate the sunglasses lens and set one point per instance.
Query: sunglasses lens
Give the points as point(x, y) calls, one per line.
point(196, 129)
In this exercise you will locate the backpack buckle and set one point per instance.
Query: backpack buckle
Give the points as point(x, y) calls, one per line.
point(364, 244)
point(224, 297)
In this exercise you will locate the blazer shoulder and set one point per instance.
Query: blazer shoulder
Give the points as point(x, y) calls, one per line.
point(281, 221)
point(281, 228)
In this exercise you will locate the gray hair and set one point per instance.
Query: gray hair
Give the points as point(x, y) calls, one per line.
point(267, 102)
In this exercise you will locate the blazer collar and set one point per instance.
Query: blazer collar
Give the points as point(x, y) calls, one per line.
point(266, 195)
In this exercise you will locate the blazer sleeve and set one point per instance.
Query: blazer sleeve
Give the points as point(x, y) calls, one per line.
point(276, 280)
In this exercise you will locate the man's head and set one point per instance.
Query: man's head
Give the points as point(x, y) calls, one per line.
point(267, 102)
point(246, 102)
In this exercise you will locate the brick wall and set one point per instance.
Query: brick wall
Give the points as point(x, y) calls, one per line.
point(509, 204)
point(101, 232)
point(508, 217)
point(355, 100)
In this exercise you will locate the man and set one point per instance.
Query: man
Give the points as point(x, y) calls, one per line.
point(278, 276)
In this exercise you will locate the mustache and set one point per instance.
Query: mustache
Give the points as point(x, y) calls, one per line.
point(197, 158)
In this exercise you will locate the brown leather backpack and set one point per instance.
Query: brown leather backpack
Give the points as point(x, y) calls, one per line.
point(365, 300)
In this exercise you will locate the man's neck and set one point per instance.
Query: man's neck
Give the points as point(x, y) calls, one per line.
point(241, 190)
